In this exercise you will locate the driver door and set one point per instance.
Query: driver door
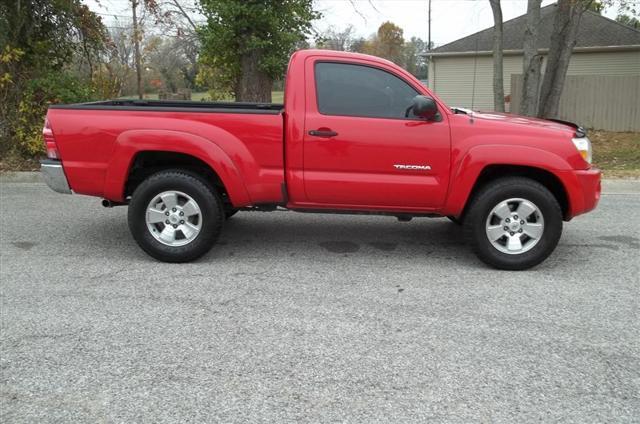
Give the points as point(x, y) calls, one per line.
point(359, 148)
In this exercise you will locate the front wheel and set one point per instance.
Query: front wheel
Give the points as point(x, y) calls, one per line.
point(174, 216)
point(513, 223)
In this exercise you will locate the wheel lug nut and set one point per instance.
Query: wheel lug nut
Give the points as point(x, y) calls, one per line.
point(507, 220)
point(515, 217)
point(506, 228)
point(166, 222)
point(181, 222)
point(520, 230)
point(181, 213)
point(167, 213)
point(512, 233)
point(174, 209)
point(175, 226)
point(522, 222)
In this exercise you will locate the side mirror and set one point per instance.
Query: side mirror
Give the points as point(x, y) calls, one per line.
point(424, 107)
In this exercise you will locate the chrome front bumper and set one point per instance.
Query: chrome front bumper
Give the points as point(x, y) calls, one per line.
point(53, 175)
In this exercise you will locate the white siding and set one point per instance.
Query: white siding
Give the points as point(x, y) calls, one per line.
point(607, 102)
point(452, 78)
point(613, 63)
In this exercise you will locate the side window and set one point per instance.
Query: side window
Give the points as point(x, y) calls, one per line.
point(355, 90)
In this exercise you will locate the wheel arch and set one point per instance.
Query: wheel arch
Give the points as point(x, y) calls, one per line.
point(485, 163)
point(148, 162)
point(140, 153)
point(545, 177)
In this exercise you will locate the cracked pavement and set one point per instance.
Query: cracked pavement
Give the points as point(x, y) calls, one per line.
point(313, 318)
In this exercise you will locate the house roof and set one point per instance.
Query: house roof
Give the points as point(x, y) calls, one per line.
point(595, 31)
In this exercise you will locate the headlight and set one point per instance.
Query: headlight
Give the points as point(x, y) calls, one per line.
point(583, 144)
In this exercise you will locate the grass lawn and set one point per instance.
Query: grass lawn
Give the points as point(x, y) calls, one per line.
point(616, 153)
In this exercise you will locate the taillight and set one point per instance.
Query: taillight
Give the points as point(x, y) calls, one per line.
point(50, 141)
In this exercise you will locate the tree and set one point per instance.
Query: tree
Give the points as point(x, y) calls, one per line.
point(333, 39)
point(544, 101)
point(166, 58)
point(136, 47)
point(563, 39)
point(628, 20)
point(413, 61)
point(498, 86)
point(247, 43)
point(174, 19)
point(531, 61)
point(49, 32)
point(39, 41)
point(359, 45)
point(387, 43)
point(596, 6)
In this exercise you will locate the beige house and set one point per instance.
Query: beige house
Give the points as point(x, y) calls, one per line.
point(461, 72)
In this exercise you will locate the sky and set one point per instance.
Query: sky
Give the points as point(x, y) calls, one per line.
point(451, 19)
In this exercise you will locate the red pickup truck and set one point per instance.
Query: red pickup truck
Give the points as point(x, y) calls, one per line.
point(356, 134)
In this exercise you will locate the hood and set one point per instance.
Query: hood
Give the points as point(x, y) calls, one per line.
point(507, 118)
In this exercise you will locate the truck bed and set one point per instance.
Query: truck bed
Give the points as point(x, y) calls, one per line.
point(99, 143)
point(177, 106)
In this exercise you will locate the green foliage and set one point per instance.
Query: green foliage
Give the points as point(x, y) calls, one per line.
point(596, 6)
point(629, 21)
point(238, 28)
point(219, 86)
point(39, 40)
point(39, 93)
point(9, 60)
point(49, 31)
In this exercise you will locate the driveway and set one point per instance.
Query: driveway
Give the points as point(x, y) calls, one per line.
point(320, 318)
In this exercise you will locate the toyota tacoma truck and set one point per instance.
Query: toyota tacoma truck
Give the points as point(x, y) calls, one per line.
point(356, 134)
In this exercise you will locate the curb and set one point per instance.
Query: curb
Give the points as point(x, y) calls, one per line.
point(609, 186)
point(20, 177)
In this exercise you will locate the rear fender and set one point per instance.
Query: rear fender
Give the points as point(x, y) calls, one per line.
point(468, 169)
point(129, 143)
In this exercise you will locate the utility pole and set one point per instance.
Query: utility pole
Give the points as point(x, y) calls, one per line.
point(136, 48)
point(429, 37)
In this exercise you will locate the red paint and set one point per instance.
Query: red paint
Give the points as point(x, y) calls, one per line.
point(254, 154)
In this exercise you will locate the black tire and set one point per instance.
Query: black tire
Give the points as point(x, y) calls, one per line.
point(208, 200)
point(498, 191)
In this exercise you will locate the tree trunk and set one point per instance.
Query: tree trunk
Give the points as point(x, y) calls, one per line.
point(531, 61)
point(253, 84)
point(498, 87)
point(563, 39)
point(136, 44)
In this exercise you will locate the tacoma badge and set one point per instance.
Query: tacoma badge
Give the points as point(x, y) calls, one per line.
point(413, 167)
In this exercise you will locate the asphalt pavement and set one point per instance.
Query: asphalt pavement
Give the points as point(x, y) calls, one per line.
point(313, 318)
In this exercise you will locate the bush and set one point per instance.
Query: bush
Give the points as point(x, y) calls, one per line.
point(57, 87)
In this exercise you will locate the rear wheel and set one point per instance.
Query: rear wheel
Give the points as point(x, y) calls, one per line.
point(513, 223)
point(174, 216)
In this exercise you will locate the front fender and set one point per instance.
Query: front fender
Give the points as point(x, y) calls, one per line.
point(466, 171)
point(129, 143)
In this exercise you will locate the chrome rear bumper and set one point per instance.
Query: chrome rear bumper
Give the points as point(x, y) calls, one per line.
point(53, 175)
